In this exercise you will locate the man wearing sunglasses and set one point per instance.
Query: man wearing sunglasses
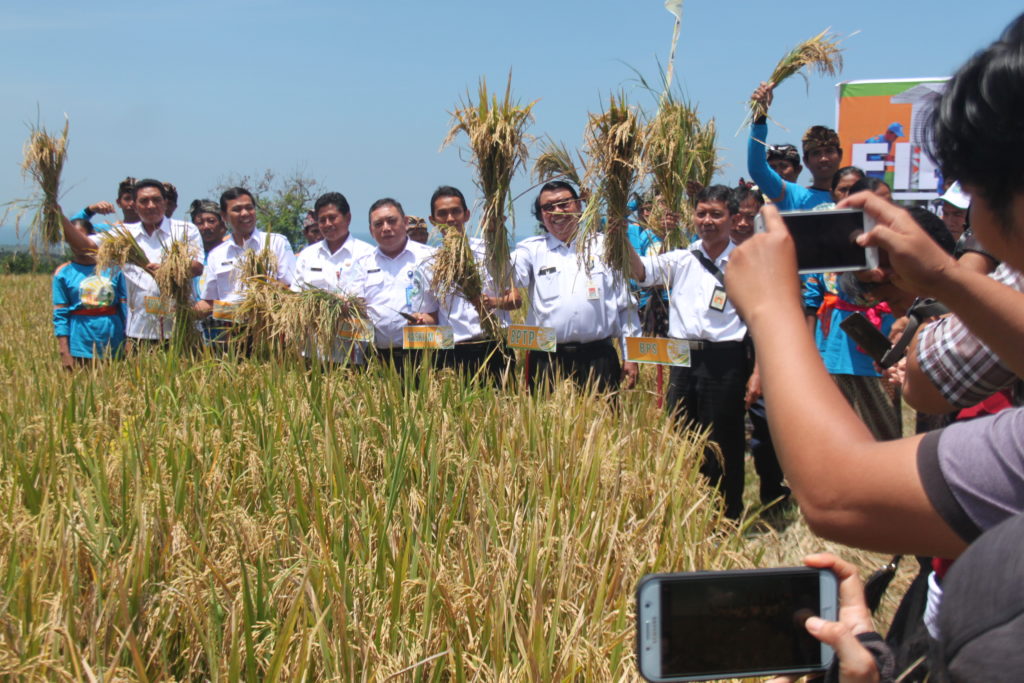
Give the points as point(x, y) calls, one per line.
point(586, 303)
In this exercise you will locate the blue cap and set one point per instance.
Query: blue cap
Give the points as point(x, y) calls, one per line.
point(896, 127)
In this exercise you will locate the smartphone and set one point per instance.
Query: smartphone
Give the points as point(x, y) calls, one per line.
point(866, 336)
point(826, 241)
point(698, 626)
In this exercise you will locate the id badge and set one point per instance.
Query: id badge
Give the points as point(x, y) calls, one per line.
point(718, 299)
point(593, 290)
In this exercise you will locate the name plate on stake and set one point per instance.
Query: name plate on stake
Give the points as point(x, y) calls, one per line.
point(361, 331)
point(224, 310)
point(532, 338)
point(156, 306)
point(659, 350)
point(428, 337)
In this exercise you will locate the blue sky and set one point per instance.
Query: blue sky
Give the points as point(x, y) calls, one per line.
point(358, 95)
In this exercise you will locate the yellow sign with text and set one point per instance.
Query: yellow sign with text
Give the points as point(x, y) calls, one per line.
point(658, 350)
point(532, 338)
point(225, 310)
point(156, 306)
point(428, 337)
point(356, 330)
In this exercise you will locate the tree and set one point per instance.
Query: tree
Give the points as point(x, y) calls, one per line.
point(281, 204)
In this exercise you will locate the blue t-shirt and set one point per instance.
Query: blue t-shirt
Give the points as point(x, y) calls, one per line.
point(98, 227)
point(642, 240)
point(797, 197)
point(838, 351)
point(89, 309)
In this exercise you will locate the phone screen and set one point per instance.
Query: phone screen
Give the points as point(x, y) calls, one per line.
point(826, 240)
point(721, 624)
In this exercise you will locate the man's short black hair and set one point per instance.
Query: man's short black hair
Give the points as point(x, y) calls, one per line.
point(335, 199)
point(785, 152)
point(551, 186)
point(976, 132)
point(234, 193)
point(743, 193)
point(934, 226)
point(149, 182)
point(868, 183)
point(447, 191)
point(385, 201)
point(170, 193)
point(719, 193)
point(845, 171)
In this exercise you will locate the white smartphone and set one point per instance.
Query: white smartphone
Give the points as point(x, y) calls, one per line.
point(826, 240)
point(698, 626)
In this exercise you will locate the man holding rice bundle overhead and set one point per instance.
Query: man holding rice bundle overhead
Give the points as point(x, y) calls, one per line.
point(586, 304)
point(822, 155)
point(125, 202)
point(224, 287)
point(392, 283)
point(330, 264)
point(148, 319)
point(474, 348)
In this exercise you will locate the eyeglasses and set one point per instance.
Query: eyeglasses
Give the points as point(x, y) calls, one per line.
point(561, 206)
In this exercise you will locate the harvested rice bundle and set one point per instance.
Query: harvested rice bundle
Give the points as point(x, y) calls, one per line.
point(555, 163)
point(43, 161)
point(821, 53)
point(497, 138)
point(174, 278)
point(257, 269)
point(614, 142)
point(455, 271)
point(316, 315)
point(119, 248)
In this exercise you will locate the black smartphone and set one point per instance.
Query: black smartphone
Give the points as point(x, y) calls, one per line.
point(826, 240)
point(866, 335)
point(697, 626)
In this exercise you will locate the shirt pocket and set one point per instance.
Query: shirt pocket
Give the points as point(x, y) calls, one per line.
point(547, 285)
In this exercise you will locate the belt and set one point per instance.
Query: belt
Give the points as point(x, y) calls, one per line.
point(576, 347)
point(102, 310)
point(704, 345)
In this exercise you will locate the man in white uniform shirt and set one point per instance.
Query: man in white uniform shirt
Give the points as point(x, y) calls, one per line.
point(238, 208)
point(473, 349)
point(711, 391)
point(154, 233)
point(586, 309)
point(330, 264)
point(393, 284)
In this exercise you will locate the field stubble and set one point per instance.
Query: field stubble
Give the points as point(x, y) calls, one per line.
point(212, 519)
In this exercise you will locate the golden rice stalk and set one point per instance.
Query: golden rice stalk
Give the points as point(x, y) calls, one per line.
point(258, 264)
point(257, 269)
point(614, 144)
point(118, 248)
point(497, 139)
point(315, 314)
point(174, 278)
point(43, 161)
point(820, 53)
point(555, 163)
point(455, 271)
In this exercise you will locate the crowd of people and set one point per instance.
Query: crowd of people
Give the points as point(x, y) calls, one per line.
point(829, 414)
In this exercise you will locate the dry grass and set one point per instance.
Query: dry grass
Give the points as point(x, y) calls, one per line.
point(820, 53)
point(43, 162)
point(614, 141)
point(206, 519)
point(496, 129)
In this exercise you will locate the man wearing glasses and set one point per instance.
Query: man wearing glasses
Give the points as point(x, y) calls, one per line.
point(587, 304)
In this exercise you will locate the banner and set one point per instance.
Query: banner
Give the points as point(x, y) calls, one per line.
point(881, 124)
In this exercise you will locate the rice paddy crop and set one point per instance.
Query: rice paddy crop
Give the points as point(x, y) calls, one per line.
point(820, 53)
point(170, 517)
point(43, 162)
point(454, 271)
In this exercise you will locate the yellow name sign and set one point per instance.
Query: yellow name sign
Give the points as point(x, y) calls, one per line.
point(225, 310)
point(658, 350)
point(428, 337)
point(360, 330)
point(156, 306)
point(532, 338)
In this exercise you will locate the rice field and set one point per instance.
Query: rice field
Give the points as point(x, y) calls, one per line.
point(210, 519)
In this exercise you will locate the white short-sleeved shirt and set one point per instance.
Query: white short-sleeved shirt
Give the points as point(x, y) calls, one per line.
point(392, 286)
point(459, 313)
point(222, 283)
point(580, 306)
point(141, 284)
point(691, 288)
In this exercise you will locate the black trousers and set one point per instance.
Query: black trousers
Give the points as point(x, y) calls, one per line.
point(710, 393)
point(596, 362)
point(469, 357)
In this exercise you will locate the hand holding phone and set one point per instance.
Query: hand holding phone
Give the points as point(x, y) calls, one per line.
point(695, 626)
point(826, 241)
